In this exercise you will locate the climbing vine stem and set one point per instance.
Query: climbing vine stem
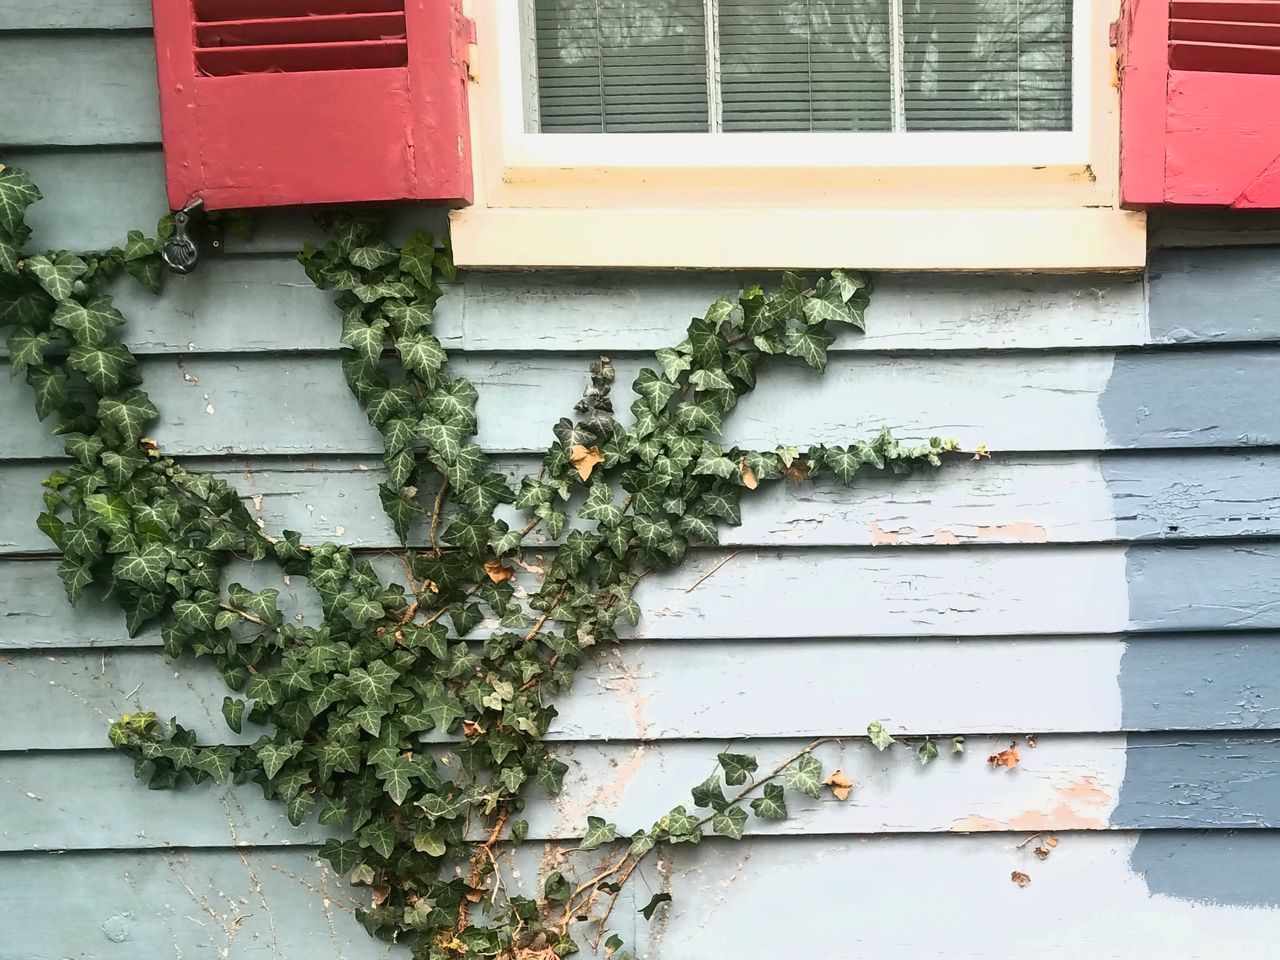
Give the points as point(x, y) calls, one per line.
point(407, 707)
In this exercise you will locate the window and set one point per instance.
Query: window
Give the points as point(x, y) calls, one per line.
point(696, 66)
point(880, 134)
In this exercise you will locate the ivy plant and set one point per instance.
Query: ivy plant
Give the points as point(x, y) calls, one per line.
point(446, 647)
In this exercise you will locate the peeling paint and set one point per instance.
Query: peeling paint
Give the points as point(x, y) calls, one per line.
point(1014, 533)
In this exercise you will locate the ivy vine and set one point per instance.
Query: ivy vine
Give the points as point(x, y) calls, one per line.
point(342, 704)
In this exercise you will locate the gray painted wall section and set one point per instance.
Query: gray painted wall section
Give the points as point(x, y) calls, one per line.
point(1105, 583)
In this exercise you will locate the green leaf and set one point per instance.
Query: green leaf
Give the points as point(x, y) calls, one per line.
point(771, 806)
point(128, 415)
point(957, 745)
point(880, 738)
point(738, 767)
point(299, 808)
point(810, 345)
point(146, 567)
point(50, 386)
point(598, 832)
point(26, 347)
point(273, 755)
point(657, 900)
point(599, 505)
point(75, 577)
point(641, 843)
point(674, 362)
point(445, 437)
point(711, 378)
point(395, 779)
point(374, 256)
point(927, 751)
point(233, 712)
point(58, 273)
point(104, 367)
point(556, 887)
point(343, 855)
point(805, 775)
point(730, 822)
point(422, 354)
point(24, 306)
point(88, 323)
point(709, 793)
point(17, 192)
point(217, 762)
point(655, 389)
point(417, 257)
point(379, 835)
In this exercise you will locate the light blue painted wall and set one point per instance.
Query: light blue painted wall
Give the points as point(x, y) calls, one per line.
point(1106, 584)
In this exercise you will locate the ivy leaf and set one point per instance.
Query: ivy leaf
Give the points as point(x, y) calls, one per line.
point(128, 415)
point(50, 387)
point(771, 806)
point(957, 745)
point(104, 367)
point(598, 832)
point(417, 257)
point(57, 274)
point(927, 751)
point(599, 505)
point(810, 345)
point(375, 256)
point(273, 755)
point(445, 437)
point(738, 767)
point(343, 855)
point(641, 843)
point(88, 323)
point(709, 793)
point(710, 378)
point(217, 762)
point(233, 712)
point(422, 354)
point(805, 775)
point(380, 835)
point(880, 738)
point(654, 903)
point(730, 822)
point(75, 577)
point(28, 306)
point(556, 888)
point(655, 389)
point(395, 780)
point(26, 347)
point(17, 192)
point(674, 362)
point(146, 567)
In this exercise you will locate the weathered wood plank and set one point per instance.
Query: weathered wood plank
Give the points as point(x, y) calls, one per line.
point(92, 89)
point(1214, 296)
point(66, 701)
point(91, 801)
point(242, 304)
point(301, 405)
point(1174, 399)
point(264, 904)
point(865, 593)
point(75, 15)
point(1008, 499)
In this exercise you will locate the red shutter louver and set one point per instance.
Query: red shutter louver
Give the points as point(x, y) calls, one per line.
point(281, 102)
point(1200, 103)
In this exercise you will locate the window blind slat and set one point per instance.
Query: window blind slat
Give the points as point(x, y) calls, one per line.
point(800, 65)
point(804, 65)
point(987, 64)
point(621, 66)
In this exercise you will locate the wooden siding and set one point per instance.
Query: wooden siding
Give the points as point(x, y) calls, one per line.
point(1105, 582)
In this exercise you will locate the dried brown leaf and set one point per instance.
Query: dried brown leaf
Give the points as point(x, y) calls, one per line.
point(1042, 852)
point(498, 571)
point(1051, 841)
point(748, 475)
point(1005, 758)
point(840, 784)
point(585, 459)
point(798, 472)
point(1020, 878)
point(380, 895)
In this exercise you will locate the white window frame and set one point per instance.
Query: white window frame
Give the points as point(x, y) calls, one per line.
point(718, 148)
point(881, 201)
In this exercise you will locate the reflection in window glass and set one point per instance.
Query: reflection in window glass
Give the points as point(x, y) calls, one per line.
point(608, 66)
point(805, 65)
point(617, 66)
point(987, 64)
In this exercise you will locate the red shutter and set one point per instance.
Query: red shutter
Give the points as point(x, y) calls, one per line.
point(278, 102)
point(1200, 103)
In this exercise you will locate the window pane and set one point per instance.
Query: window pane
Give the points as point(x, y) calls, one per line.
point(621, 66)
point(805, 65)
point(987, 64)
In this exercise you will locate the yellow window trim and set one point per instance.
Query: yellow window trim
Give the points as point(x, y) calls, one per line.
point(914, 202)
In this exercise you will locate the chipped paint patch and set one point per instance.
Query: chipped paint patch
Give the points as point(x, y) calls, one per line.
point(1014, 533)
point(880, 537)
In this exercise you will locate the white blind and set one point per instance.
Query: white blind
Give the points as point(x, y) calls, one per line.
point(801, 65)
point(987, 64)
point(805, 65)
point(622, 66)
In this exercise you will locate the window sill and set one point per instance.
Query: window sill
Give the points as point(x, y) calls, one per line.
point(1059, 240)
